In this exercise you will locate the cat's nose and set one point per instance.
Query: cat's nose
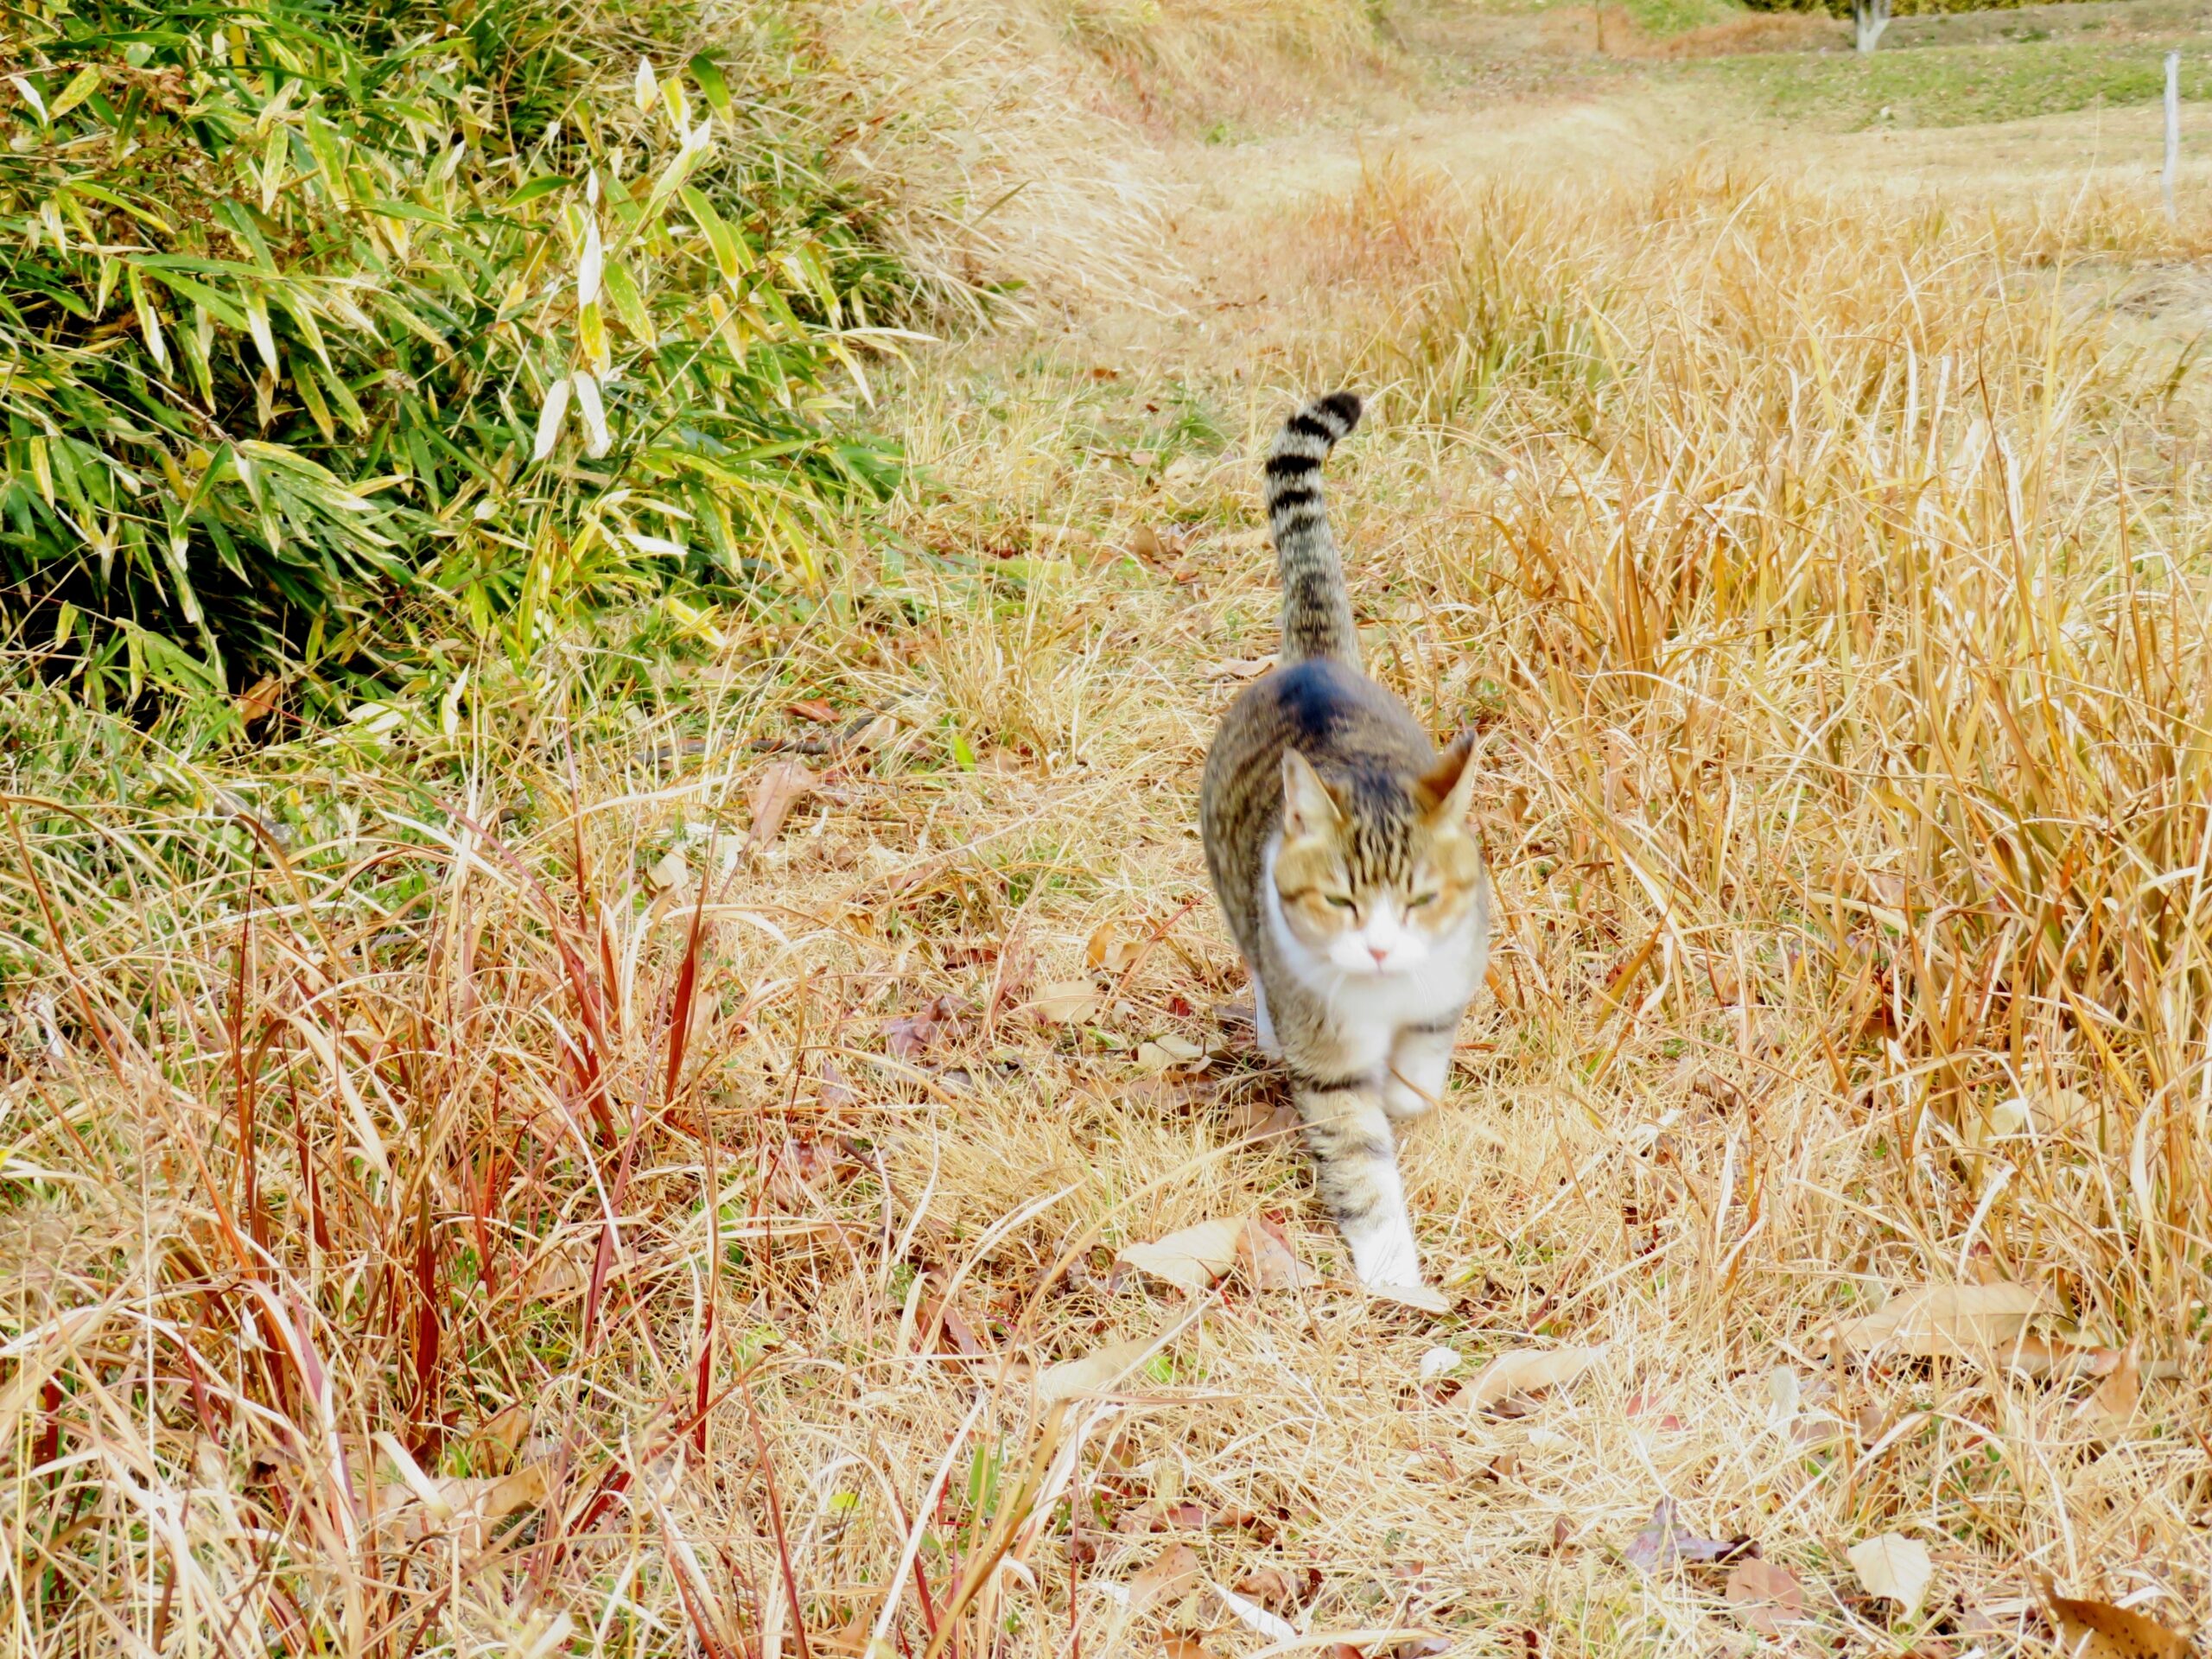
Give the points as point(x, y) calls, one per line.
point(1380, 952)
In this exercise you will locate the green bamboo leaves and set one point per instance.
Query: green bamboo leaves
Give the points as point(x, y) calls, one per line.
point(300, 328)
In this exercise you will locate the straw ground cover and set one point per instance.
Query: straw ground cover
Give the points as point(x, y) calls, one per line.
point(632, 1159)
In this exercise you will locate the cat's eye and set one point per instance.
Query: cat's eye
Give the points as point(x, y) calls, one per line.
point(1420, 898)
point(1343, 901)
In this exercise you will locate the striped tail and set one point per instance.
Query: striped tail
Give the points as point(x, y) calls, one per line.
point(1316, 611)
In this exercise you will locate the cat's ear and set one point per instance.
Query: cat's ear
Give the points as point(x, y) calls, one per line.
point(1444, 791)
point(1309, 807)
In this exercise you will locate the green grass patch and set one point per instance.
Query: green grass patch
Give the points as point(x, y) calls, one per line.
point(1953, 86)
point(1669, 17)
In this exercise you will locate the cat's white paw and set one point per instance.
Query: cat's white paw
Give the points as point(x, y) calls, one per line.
point(1389, 1258)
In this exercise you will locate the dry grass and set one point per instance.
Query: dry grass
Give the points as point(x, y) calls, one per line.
point(434, 1227)
point(1021, 149)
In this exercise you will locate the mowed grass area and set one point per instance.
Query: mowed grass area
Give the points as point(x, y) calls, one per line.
point(631, 1158)
point(1944, 85)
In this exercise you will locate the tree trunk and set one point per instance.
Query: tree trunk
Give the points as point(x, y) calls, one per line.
point(1868, 19)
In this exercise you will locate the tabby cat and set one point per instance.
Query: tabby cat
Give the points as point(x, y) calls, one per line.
point(1337, 839)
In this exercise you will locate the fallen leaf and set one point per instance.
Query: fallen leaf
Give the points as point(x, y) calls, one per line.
point(910, 1036)
point(463, 1504)
point(1423, 1299)
point(1108, 948)
point(1421, 1646)
point(1526, 1371)
point(255, 702)
point(1163, 1053)
point(1191, 1257)
point(1271, 1586)
point(1436, 1361)
point(1184, 1646)
point(1663, 1542)
point(814, 709)
point(2117, 1398)
point(1765, 1595)
point(836, 1089)
point(1262, 1120)
point(2097, 1630)
point(1096, 1371)
point(1168, 1579)
point(1240, 668)
point(1254, 1617)
point(1893, 1567)
point(1268, 1260)
point(503, 1432)
point(781, 785)
point(1065, 1002)
point(1940, 1321)
point(1147, 543)
point(1784, 1394)
point(876, 735)
point(954, 1334)
point(671, 874)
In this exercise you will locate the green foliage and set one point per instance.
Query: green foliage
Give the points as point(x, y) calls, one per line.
point(321, 329)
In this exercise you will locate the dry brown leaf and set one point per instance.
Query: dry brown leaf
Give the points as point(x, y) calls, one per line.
point(1271, 1586)
point(671, 874)
point(1184, 1646)
point(781, 785)
point(1268, 1260)
point(2097, 1630)
point(1151, 547)
point(1065, 1002)
point(1191, 1257)
point(1167, 1581)
point(1258, 1119)
point(1240, 668)
point(910, 1036)
point(1165, 1053)
point(814, 709)
point(1939, 1321)
point(1765, 1595)
point(1255, 1618)
point(2118, 1397)
point(503, 1432)
point(1096, 1371)
point(1108, 948)
point(1423, 1299)
point(255, 702)
point(1893, 1567)
point(1526, 1371)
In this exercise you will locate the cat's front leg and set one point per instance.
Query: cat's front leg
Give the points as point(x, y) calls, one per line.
point(1263, 1027)
point(1356, 1169)
point(1420, 1068)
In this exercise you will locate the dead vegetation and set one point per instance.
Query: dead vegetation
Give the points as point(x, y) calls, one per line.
point(660, 1156)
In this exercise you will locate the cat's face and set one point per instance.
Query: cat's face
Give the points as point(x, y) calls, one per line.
point(1375, 875)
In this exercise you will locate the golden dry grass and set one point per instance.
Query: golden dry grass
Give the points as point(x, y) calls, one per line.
point(431, 1228)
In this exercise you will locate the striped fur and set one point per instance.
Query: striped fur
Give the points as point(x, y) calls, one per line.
point(1316, 611)
point(1335, 833)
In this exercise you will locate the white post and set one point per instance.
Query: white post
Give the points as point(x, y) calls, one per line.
point(2173, 128)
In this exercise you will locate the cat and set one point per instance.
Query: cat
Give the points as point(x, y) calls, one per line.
point(1336, 840)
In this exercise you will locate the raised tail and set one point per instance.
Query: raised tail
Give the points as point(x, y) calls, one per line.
point(1316, 611)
